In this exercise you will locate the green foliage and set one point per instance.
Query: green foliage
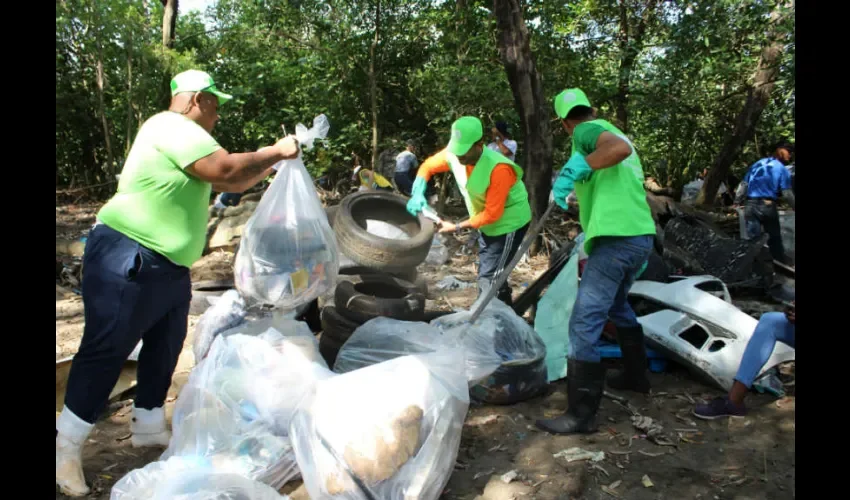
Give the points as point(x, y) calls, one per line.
point(286, 61)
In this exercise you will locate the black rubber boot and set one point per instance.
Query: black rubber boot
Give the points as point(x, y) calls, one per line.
point(585, 384)
point(633, 377)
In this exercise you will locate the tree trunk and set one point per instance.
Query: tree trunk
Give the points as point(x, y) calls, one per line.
point(169, 23)
point(530, 101)
point(373, 84)
point(758, 97)
point(129, 135)
point(631, 44)
point(101, 105)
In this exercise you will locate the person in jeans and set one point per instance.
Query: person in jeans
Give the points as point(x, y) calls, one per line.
point(772, 327)
point(405, 169)
point(495, 196)
point(606, 174)
point(763, 183)
point(136, 283)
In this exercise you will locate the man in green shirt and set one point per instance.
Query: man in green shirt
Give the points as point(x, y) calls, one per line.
point(607, 176)
point(136, 283)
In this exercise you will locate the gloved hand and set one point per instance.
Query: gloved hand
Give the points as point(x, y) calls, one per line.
point(417, 196)
point(576, 169)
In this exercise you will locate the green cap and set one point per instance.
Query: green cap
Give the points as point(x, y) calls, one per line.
point(466, 131)
point(197, 81)
point(567, 100)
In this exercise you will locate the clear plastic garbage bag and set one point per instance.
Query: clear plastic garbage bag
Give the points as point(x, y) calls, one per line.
point(288, 255)
point(381, 339)
point(226, 312)
point(181, 478)
point(390, 431)
point(236, 407)
point(552, 320)
point(522, 373)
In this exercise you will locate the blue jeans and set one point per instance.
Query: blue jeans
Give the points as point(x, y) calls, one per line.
point(603, 291)
point(771, 327)
point(129, 293)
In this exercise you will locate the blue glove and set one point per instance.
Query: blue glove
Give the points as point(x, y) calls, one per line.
point(576, 169)
point(417, 196)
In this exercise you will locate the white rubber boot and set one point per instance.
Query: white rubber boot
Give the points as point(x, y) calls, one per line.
point(72, 432)
point(148, 427)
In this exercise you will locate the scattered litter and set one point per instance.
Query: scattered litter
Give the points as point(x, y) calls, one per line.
point(498, 447)
point(686, 430)
point(614, 485)
point(483, 473)
point(611, 492)
point(108, 467)
point(452, 283)
point(647, 483)
point(461, 466)
point(575, 454)
point(770, 383)
point(600, 468)
point(615, 452)
point(509, 476)
point(475, 421)
point(653, 429)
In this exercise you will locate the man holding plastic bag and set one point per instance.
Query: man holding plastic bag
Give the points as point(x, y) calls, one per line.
point(136, 283)
point(495, 197)
point(607, 176)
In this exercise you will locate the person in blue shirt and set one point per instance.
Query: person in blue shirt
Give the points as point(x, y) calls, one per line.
point(765, 181)
point(406, 166)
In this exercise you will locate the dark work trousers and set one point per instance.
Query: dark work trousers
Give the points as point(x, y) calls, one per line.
point(129, 293)
point(760, 213)
point(403, 182)
point(494, 254)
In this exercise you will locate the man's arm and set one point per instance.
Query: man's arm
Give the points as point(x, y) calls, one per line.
point(244, 185)
point(236, 169)
point(785, 187)
point(610, 150)
point(435, 164)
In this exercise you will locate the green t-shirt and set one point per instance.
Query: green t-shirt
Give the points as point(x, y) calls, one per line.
point(613, 201)
point(158, 204)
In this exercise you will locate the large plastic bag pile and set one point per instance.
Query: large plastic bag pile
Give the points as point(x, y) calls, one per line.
point(234, 412)
point(181, 478)
point(504, 356)
point(288, 254)
point(381, 339)
point(522, 372)
point(227, 312)
point(388, 431)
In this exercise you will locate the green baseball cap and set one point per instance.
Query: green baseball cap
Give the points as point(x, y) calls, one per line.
point(197, 81)
point(568, 99)
point(466, 131)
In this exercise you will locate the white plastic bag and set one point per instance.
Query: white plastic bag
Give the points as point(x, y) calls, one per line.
point(288, 254)
point(183, 479)
point(235, 410)
point(522, 372)
point(394, 426)
point(227, 312)
point(381, 339)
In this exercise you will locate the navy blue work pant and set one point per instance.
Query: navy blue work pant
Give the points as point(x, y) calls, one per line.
point(130, 293)
point(494, 253)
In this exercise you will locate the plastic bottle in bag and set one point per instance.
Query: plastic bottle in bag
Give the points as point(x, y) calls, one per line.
point(288, 255)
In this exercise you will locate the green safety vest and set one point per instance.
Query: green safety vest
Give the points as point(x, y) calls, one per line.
point(517, 210)
point(613, 201)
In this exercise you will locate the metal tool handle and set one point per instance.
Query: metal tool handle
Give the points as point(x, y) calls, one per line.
point(503, 276)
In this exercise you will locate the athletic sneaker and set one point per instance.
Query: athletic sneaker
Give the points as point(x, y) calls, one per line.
point(719, 408)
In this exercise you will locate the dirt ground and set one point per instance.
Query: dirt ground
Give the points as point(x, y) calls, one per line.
point(751, 458)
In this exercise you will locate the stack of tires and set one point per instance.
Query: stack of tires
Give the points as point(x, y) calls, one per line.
point(377, 275)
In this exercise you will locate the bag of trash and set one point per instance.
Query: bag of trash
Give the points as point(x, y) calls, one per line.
point(180, 478)
point(553, 318)
point(288, 254)
point(234, 411)
point(522, 373)
point(439, 253)
point(387, 431)
point(381, 339)
point(226, 312)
